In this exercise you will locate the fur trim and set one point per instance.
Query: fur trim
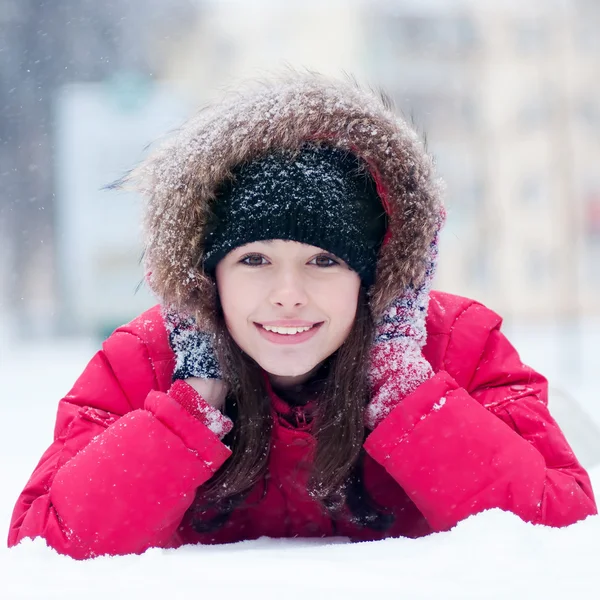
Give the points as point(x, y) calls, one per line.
point(180, 178)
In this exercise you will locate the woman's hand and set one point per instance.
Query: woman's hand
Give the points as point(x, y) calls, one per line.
point(196, 360)
point(194, 349)
point(398, 366)
point(213, 391)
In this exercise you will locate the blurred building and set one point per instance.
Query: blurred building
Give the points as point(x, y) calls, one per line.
point(45, 46)
point(506, 94)
point(235, 40)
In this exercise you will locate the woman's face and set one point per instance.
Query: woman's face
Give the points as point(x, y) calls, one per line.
point(287, 305)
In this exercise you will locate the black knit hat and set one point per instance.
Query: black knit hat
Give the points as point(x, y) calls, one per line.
point(320, 196)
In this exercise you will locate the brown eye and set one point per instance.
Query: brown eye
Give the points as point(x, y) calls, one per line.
point(323, 260)
point(253, 260)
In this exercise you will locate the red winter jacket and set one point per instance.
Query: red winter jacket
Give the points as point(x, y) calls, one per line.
point(127, 458)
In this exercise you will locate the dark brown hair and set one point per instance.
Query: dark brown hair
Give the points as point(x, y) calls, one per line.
point(337, 427)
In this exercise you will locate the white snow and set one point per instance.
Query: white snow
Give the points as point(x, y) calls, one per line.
point(438, 405)
point(492, 555)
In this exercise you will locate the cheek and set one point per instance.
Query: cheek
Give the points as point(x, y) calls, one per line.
point(237, 300)
point(341, 305)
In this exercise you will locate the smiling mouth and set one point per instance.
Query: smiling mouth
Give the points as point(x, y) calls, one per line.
point(287, 331)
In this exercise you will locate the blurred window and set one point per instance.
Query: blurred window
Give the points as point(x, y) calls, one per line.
point(537, 110)
point(465, 202)
point(439, 35)
point(440, 110)
point(478, 266)
point(531, 36)
point(533, 192)
point(586, 33)
point(588, 112)
point(538, 266)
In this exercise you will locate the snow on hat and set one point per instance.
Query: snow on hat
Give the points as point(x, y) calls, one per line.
point(321, 196)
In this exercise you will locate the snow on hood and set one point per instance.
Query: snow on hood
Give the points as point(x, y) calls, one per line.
point(180, 178)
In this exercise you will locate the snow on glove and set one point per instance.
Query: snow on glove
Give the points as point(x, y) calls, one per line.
point(195, 357)
point(398, 366)
point(194, 349)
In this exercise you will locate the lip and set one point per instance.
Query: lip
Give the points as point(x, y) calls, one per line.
point(288, 323)
point(282, 338)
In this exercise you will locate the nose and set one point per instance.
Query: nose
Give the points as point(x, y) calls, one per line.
point(288, 289)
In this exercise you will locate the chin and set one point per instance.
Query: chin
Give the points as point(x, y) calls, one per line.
point(283, 370)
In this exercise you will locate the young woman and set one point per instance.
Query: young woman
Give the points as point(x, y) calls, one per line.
point(298, 378)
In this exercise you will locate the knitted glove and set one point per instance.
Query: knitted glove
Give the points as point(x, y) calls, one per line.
point(194, 357)
point(194, 350)
point(398, 366)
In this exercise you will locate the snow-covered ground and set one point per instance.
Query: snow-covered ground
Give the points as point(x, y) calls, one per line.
point(492, 555)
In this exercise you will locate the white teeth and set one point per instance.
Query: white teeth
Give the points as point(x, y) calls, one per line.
point(287, 330)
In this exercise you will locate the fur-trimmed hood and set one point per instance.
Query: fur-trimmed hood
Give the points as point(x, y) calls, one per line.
point(180, 178)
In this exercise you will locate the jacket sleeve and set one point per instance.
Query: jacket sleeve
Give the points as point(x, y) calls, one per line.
point(490, 443)
point(124, 465)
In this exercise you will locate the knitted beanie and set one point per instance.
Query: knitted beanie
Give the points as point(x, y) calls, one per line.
point(319, 195)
